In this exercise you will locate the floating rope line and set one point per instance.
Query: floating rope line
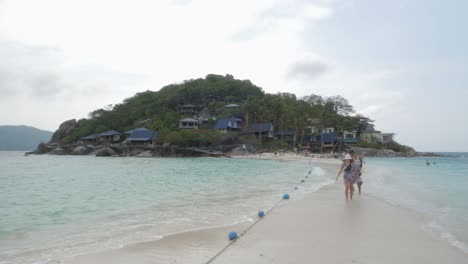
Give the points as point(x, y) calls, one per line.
point(285, 197)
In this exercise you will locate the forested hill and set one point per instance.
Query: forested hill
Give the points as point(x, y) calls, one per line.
point(22, 137)
point(161, 110)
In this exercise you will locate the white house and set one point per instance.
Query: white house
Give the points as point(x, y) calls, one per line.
point(188, 123)
point(349, 137)
point(317, 130)
point(377, 137)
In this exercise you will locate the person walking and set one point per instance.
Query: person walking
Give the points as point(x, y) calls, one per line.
point(357, 171)
point(348, 177)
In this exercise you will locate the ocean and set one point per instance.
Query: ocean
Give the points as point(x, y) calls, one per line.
point(52, 207)
point(439, 191)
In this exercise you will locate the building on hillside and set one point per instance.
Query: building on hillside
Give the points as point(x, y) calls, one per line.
point(318, 130)
point(261, 129)
point(188, 123)
point(91, 139)
point(142, 137)
point(285, 134)
point(188, 109)
point(128, 133)
point(232, 106)
point(211, 99)
point(369, 134)
point(349, 137)
point(205, 115)
point(328, 142)
point(377, 137)
point(110, 136)
point(228, 124)
point(387, 137)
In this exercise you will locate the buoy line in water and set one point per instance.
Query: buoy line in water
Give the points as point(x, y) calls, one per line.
point(233, 237)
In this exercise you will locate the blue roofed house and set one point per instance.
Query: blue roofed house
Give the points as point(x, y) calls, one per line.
point(142, 137)
point(228, 124)
point(329, 140)
point(110, 136)
point(261, 129)
point(128, 133)
point(89, 139)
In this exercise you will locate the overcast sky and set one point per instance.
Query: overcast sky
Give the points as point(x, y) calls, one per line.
point(401, 62)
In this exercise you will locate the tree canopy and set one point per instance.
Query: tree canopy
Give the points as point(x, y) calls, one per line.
point(160, 110)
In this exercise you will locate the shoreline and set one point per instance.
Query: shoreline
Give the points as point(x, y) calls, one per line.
point(295, 233)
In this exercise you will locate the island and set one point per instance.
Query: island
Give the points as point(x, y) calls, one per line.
point(222, 116)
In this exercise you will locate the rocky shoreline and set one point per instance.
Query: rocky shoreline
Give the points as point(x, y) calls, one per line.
point(57, 146)
point(388, 153)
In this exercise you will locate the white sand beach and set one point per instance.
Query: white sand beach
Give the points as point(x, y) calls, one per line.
point(290, 156)
point(320, 228)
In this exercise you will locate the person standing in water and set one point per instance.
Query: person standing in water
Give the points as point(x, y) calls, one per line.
point(361, 161)
point(357, 170)
point(348, 177)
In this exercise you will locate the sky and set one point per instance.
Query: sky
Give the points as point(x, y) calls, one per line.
point(402, 62)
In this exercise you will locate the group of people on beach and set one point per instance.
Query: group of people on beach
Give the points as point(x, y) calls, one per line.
point(352, 167)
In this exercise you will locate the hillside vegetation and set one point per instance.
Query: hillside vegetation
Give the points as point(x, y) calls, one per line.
point(160, 110)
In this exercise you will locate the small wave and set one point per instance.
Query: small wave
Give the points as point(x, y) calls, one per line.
point(317, 171)
point(440, 232)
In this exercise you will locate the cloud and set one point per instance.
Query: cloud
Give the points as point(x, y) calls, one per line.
point(51, 88)
point(41, 72)
point(307, 69)
point(297, 13)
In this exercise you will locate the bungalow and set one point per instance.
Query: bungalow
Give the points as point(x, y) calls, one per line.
point(110, 136)
point(188, 109)
point(261, 129)
point(318, 130)
point(89, 139)
point(212, 98)
point(205, 115)
point(285, 134)
point(329, 140)
point(232, 106)
point(349, 137)
point(377, 137)
point(228, 124)
point(387, 137)
point(128, 133)
point(142, 137)
point(188, 123)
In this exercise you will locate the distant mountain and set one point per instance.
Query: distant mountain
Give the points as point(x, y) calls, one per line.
point(22, 137)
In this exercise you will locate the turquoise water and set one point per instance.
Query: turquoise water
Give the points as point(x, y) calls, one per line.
point(439, 191)
point(53, 207)
point(57, 206)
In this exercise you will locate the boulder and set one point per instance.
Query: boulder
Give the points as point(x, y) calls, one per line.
point(105, 152)
point(241, 151)
point(379, 152)
point(64, 130)
point(135, 152)
point(42, 148)
point(80, 150)
point(58, 151)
